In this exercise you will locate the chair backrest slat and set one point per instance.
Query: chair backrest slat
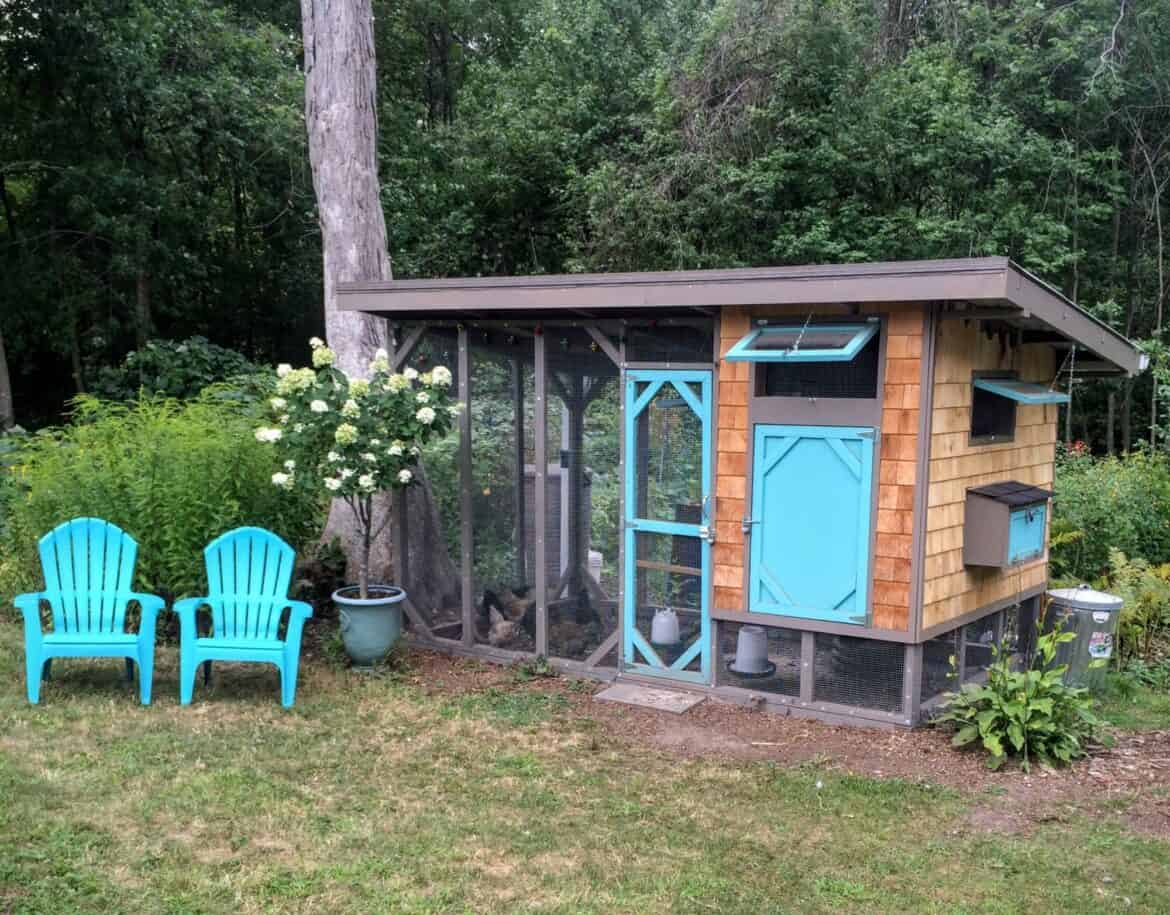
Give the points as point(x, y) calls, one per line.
point(249, 571)
point(88, 566)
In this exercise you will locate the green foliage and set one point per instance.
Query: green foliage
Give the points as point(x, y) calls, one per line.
point(1030, 714)
point(179, 369)
point(1145, 615)
point(173, 474)
point(1120, 503)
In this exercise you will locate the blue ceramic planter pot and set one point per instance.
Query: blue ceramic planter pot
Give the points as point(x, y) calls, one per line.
point(369, 628)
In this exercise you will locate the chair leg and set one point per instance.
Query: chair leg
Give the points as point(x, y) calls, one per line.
point(206, 673)
point(129, 670)
point(47, 670)
point(145, 673)
point(288, 680)
point(187, 669)
point(34, 670)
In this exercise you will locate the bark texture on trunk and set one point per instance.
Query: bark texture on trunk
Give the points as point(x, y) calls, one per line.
point(340, 116)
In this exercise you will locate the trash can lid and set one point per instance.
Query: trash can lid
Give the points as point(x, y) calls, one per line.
point(1082, 597)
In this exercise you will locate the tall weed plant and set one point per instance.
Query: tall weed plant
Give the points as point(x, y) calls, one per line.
point(173, 474)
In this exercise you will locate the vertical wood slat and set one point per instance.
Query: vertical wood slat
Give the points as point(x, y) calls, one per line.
point(126, 558)
point(540, 508)
point(94, 558)
point(240, 559)
point(78, 568)
point(466, 481)
point(621, 578)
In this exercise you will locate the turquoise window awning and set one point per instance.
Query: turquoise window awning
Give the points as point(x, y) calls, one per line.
point(1024, 392)
point(803, 343)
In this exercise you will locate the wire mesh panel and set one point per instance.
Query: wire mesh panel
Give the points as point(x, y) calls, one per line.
point(866, 673)
point(669, 456)
point(668, 596)
point(583, 489)
point(979, 638)
point(774, 669)
point(662, 342)
point(430, 519)
point(503, 398)
point(938, 655)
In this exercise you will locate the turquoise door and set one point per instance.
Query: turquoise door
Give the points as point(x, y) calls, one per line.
point(666, 629)
point(811, 508)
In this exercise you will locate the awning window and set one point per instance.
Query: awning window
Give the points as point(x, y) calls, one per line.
point(1024, 392)
point(803, 343)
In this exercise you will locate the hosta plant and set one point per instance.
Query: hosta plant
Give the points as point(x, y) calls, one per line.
point(353, 438)
point(1029, 714)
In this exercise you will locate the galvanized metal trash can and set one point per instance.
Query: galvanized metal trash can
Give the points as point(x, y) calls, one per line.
point(1092, 616)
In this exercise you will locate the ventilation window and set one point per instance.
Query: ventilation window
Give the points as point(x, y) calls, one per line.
point(993, 418)
point(857, 378)
point(803, 343)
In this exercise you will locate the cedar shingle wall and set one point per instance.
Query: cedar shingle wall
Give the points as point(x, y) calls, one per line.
point(950, 589)
point(896, 470)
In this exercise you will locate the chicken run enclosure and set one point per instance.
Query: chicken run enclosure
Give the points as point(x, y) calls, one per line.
point(810, 487)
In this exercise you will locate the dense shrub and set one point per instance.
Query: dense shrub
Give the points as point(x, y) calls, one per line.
point(1029, 714)
point(1103, 504)
point(177, 368)
point(173, 474)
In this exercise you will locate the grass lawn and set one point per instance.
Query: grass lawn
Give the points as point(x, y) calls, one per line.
point(373, 795)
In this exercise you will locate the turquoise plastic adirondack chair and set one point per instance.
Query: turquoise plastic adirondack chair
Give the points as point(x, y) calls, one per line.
point(248, 575)
point(88, 566)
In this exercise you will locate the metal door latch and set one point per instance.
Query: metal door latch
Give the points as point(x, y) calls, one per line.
point(707, 532)
point(746, 524)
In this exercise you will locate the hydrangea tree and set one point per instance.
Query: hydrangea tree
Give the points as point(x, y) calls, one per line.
point(353, 438)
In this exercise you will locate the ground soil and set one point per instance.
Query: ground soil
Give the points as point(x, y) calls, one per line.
point(1130, 778)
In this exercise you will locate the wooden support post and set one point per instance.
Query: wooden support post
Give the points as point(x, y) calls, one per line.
point(808, 652)
point(520, 539)
point(466, 544)
point(540, 492)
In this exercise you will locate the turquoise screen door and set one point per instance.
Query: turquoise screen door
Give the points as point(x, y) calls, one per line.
point(666, 630)
point(811, 507)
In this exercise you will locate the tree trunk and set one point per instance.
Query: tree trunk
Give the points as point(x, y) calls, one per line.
point(1110, 422)
point(142, 287)
point(7, 416)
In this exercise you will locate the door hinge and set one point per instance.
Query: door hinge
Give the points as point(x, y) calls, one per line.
point(746, 524)
point(865, 433)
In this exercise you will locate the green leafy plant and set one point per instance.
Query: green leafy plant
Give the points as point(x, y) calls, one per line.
point(177, 368)
point(352, 438)
point(1030, 714)
point(173, 474)
point(1144, 623)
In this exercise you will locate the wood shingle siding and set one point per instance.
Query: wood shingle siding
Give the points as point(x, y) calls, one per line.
point(950, 589)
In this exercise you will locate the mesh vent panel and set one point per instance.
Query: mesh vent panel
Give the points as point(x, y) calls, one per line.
point(979, 639)
point(865, 673)
point(936, 665)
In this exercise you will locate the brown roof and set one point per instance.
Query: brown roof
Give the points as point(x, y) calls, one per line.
point(978, 284)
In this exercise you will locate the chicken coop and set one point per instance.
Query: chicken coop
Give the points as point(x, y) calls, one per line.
point(810, 487)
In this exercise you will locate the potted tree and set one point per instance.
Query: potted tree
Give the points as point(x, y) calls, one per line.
point(353, 439)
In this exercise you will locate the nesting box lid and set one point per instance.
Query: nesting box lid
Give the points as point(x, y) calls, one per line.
point(1013, 493)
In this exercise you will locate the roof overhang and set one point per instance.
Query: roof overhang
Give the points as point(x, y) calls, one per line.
point(991, 288)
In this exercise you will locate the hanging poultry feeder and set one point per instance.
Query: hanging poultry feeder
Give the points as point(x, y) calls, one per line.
point(751, 653)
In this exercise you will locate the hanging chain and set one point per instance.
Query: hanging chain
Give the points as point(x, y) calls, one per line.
point(800, 336)
point(1072, 353)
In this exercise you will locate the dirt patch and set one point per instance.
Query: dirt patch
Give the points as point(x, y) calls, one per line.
point(1130, 779)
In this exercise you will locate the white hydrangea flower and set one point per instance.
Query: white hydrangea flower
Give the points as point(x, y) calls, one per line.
point(323, 356)
point(397, 382)
point(332, 484)
point(333, 456)
point(367, 456)
point(395, 450)
point(278, 404)
point(350, 409)
point(290, 465)
point(426, 416)
point(425, 378)
point(315, 342)
point(366, 482)
point(268, 436)
point(422, 397)
point(441, 376)
point(319, 406)
point(283, 370)
point(405, 476)
point(415, 450)
point(380, 353)
point(283, 480)
point(346, 473)
point(283, 419)
point(299, 427)
point(359, 387)
point(345, 434)
point(410, 374)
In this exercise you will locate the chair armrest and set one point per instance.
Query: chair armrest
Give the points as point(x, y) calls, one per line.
point(186, 609)
point(151, 605)
point(29, 606)
point(301, 609)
